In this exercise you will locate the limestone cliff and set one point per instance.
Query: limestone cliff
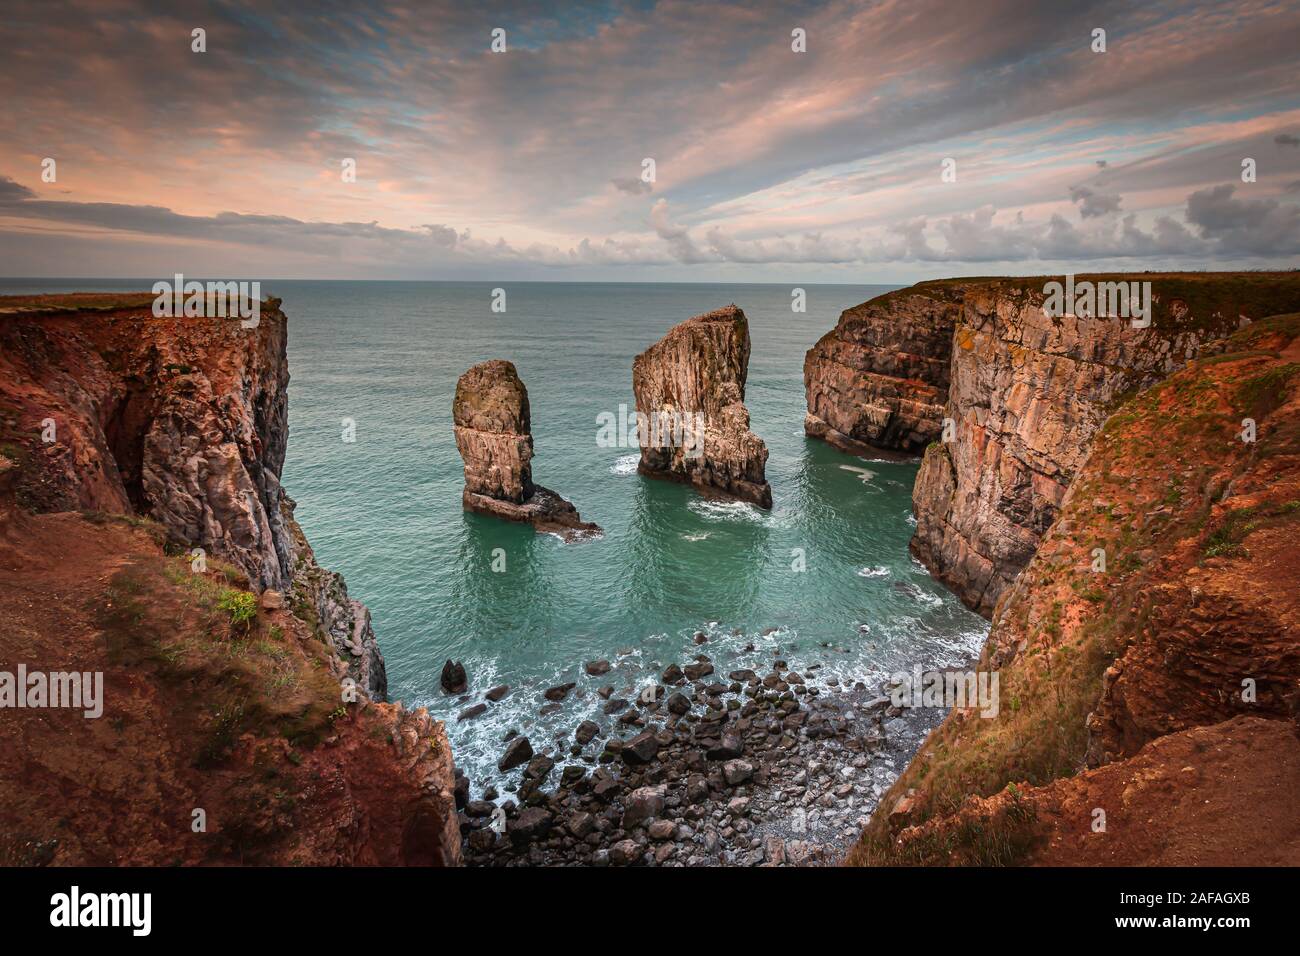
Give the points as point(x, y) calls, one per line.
point(1160, 685)
point(1025, 393)
point(140, 494)
point(879, 379)
point(493, 425)
point(690, 387)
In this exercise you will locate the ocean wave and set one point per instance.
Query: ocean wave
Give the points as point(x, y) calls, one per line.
point(626, 465)
point(727, 510)
point(864, 475)
point(879, 571)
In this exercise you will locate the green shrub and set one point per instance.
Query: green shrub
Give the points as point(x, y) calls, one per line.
point(240, 605)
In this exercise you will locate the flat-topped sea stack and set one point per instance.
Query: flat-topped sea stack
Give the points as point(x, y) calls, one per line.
point(495, 439)
point(690, 386)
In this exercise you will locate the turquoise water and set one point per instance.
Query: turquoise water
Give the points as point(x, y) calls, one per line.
point(385, 510)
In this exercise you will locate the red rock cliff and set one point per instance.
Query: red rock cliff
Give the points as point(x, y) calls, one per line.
point(1025, 393)
point(127, 442)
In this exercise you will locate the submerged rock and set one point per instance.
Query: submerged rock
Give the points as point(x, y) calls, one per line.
point(494, 437)
point(690, 387)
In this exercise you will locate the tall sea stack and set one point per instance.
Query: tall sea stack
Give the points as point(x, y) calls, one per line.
point(690, 386)
point(495, 439)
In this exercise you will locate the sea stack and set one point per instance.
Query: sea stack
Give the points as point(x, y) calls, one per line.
point(494, 436)
point(690, 388)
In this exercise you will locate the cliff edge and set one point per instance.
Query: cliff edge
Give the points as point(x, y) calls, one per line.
point(1023, 393)
point(1148, 655)
point(144, 536)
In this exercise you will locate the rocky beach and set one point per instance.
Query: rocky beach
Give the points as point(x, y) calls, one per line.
point(697, 767)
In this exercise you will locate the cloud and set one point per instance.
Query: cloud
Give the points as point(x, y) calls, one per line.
point(1257, 226)
point(763, 156)
point(1092, 203)
point(1223, 227)
point(632, 185)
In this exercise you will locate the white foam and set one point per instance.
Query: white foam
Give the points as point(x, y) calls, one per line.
point(726, 510)
point(625, 465)
point(879, 571)
point(863, 474)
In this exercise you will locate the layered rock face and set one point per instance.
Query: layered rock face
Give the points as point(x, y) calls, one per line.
point(1025, 392)
point(493, 426)
point(180, 420)
point(690, 386)
point(1173, 669)
point(178, 427)
point(879, 379)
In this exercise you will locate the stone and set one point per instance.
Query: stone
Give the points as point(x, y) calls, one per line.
point(678, 703)
point(518, 751)
point(471, 712)
point(693, 380)
point(662, 830)
point(533, 823)
point(558, 692)
point(642, 804)
point(586, 732)
point(727, 748)
point(538, 768)
point(696, 671)
point(496, 693)
point(641, 749)
point(453, 678)
point(271, 600)
point(581, 824)
point(736, 772)
point(624, 853)
point(596, 668)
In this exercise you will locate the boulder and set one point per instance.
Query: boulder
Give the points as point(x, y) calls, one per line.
point(736, 772)
point(453, 678)
point(518, 751)
point(644, 803)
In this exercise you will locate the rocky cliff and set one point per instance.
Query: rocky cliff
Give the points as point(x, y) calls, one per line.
point(879, 379)
point(1025, 393)
point(140, 494)
point(690, 388)
point(493, 425)
point(1159, 684)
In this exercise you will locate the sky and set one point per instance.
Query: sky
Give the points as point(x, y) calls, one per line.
point(906, 139)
